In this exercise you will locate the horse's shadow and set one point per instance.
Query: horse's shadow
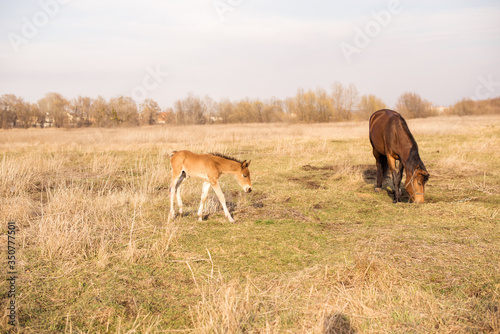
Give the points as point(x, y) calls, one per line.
point(337, 323)
point(370, 177)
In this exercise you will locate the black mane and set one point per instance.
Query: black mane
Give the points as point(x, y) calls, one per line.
point(407, 131)
point(413, 158)
point(226, 157)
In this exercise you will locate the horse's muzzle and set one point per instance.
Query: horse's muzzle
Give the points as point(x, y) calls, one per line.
point(248, 189)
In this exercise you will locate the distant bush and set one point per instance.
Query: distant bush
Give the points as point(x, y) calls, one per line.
point(471, 107)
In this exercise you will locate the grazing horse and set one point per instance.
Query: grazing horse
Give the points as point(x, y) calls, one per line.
point(392, 140)
point(208, 167)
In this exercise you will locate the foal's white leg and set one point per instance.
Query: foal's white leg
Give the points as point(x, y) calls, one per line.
point(204, 195)
point(179, 200)
point(222, 200)
point(174, 189)
point(172, 195)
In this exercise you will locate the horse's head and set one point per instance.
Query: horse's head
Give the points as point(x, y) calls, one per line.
point(243, 177)
point(415, 184)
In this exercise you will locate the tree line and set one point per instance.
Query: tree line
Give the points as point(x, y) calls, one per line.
point(339, 103)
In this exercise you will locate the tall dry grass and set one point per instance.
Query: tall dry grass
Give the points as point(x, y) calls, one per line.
point(96, 200)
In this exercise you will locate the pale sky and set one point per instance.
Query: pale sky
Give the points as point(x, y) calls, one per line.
point(443, 50)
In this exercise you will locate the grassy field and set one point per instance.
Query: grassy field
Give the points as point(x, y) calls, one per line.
point(314, 249)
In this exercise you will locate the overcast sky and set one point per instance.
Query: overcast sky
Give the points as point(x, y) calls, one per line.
point(443, 50)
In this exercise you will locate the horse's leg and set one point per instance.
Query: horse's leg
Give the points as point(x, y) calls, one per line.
point(400, 173)
point(395, 177)
point(179, 199)
point(222, 200)
point(380, 170)
point(172, 195)
point(204, 195)
point(174, 186)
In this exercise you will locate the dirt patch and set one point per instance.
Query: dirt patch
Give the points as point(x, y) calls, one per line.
point(307, 182)
point(319, 206)
point(259, 199)
point(328, 167)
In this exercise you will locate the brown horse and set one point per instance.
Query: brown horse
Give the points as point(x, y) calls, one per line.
point(392, 140)
point(208, 167)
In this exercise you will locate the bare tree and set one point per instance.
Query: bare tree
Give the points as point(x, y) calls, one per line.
point(14, 111)
point(344, 101)
point(302, 105)
point(210, 109)
point(244, 112)
point(55, 106)
point(149, 112)
point(368, 104)
point(190, 110)
point(195, 109)
point(411, 105)
point(273, 111)
point(24, 114)
point(224, 110)
point(324, 106)
point(123, 111)
point(81, 108)
point(98, 114)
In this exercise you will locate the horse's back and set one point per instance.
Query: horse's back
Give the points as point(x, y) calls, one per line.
point(187, 157)
point(179, 156)
point(384, 128)
point(381, 118)
point(194, 164)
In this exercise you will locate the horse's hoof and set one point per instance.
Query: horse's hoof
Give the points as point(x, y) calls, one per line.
point(394, 201)
point(377, 190)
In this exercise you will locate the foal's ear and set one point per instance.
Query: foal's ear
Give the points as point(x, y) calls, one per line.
point(245, 164)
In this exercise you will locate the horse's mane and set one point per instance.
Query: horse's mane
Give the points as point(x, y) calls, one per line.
point(226, 157)
point(407, 131)
point(413, 157)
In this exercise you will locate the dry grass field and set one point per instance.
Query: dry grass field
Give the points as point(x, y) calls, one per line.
point(314, 249)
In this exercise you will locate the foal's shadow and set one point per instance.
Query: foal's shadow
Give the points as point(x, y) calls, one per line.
point(370, 177)
point(213, 207)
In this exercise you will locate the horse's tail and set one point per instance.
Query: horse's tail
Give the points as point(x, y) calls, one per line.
point(383, 163)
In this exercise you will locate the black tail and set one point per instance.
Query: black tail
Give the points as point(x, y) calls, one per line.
point(383, 163)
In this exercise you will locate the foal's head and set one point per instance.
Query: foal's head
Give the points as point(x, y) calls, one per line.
point(415, 184)
point(243, 177)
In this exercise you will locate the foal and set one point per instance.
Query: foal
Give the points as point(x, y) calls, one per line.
point(208, 167)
